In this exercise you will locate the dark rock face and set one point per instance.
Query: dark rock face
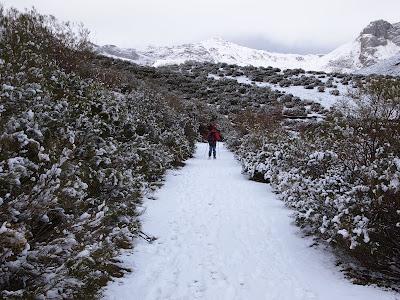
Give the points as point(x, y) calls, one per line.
point(377, 33)
point(395, 33)
point(378, 29)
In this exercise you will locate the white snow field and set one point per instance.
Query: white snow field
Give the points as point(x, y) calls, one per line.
point(326, 99)
point(222, 236)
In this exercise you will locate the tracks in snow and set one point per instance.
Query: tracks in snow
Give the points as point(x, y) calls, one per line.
point(221, 236)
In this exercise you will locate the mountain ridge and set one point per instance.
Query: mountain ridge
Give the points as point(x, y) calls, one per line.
point(378, 41)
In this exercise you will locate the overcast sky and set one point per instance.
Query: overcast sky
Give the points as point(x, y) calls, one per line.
point(302, 26)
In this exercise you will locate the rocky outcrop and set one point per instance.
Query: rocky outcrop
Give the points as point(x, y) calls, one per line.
point(390, 66)
point(376, 35)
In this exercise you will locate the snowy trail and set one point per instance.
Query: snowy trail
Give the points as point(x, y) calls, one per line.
point(221, 236)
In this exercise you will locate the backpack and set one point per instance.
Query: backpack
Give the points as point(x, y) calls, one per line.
point(217, 135)
point(214, 136)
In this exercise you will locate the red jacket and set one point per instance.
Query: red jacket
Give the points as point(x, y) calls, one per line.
point(213, 136)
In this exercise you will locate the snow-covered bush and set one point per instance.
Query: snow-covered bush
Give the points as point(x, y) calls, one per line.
point(341, 176)
point(76, 155)
point(335, 92)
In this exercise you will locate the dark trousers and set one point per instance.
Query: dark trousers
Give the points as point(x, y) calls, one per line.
point(213, 150)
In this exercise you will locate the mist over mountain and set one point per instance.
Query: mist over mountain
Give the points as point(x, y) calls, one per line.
point(300, 47)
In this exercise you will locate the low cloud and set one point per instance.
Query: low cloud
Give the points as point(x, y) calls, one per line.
point(309, 26)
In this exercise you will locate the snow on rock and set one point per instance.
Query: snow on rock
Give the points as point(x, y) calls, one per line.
point(3, 228)
point(390, 66)
point(230, 239)
point(83, 253)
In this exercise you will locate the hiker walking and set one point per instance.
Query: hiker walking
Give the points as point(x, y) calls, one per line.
point(213, 137)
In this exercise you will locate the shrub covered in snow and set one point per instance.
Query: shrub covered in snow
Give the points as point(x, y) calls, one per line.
point(75, 158)
point(335, 92)
point(341, 176)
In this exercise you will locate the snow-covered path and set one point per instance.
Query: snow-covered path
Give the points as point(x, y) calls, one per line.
point(221, 236)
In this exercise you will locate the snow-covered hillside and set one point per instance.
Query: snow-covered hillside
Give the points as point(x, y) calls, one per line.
point(213, 50)
point(390, 66)
point(378, 41)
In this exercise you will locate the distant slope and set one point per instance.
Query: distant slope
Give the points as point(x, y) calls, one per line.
point(213, 50)
point(219, 50)
point(378, 41)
